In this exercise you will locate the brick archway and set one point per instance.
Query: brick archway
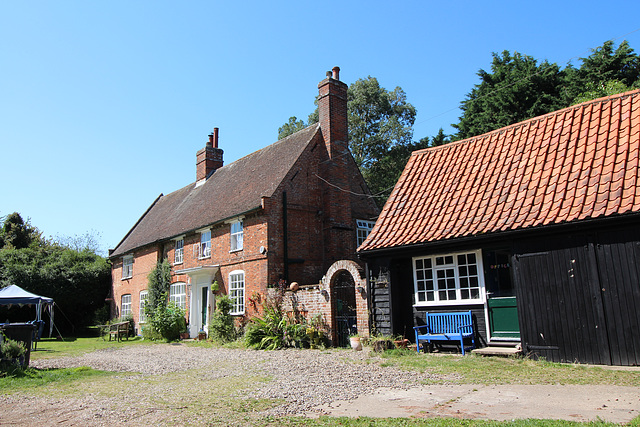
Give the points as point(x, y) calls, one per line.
point(335, 273)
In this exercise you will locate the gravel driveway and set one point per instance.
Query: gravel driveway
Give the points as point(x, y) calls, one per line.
point(303, 379)
point(309, 382)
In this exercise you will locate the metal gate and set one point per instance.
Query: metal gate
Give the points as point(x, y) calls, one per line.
point(344, 308)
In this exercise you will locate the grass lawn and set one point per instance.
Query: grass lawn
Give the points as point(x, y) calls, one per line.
point(473, 369)
point(222, 400)
point(51, 348)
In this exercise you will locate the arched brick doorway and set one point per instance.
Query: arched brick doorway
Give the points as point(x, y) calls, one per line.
point(348, 301)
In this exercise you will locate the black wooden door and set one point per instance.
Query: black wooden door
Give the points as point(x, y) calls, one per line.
point(561, 312)
point(578, 298)
point(344, 297)
point(618, 267)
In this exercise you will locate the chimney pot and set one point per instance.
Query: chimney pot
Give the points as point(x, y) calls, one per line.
point(209, 159)
point(336, 73)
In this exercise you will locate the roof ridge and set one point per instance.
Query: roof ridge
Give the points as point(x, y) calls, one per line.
point(253, 153)
point(600, 100)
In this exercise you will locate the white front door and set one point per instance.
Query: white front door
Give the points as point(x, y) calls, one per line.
point(201, 306)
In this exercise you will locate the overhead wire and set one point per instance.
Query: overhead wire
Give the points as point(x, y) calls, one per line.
point(380, 194)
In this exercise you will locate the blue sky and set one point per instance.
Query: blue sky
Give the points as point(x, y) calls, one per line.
point(103, 105)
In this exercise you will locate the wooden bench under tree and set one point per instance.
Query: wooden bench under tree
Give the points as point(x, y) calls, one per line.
point(456, 326)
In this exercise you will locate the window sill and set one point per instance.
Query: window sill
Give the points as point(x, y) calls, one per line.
point(236, 250)
point(448, 303)
point(204, 257)
point(126, 278)
point(178, 263)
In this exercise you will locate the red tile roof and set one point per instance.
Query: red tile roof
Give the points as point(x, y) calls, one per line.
point(234, 189)
point(574, 164)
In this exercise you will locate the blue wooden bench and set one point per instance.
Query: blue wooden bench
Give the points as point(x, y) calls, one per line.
point(446, 327)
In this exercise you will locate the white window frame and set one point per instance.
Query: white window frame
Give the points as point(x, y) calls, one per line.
point(125, 306)
point(127, 267)
point(456, 273)
point(142, 316)
point(237, 291)
point(178, 294)
point(204, 247)
point(178, 256)
point(363, 228)
point(237, 235)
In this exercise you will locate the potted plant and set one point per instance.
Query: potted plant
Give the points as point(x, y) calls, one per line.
point(355, 342)
point(215, 287)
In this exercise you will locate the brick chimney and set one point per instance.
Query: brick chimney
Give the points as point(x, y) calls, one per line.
point(209, 158)
point(332, 108)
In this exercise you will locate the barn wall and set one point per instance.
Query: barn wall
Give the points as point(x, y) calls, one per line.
point(577, 296)
point(577, 289)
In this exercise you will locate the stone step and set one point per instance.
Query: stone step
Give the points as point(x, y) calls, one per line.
point(498, 351)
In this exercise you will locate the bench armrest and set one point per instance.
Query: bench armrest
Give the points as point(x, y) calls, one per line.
point(420, 327)
point(465, 326)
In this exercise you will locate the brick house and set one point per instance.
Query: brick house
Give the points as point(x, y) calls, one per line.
point(534, 227)
point(285, 212)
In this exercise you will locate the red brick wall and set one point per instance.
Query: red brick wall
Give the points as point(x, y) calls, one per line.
point(144, 261)
point(313, 300)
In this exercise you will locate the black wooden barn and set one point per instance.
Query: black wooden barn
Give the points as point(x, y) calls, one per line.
point(534, 227)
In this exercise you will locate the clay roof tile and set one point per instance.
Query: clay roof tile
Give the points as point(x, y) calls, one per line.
point(578, 163)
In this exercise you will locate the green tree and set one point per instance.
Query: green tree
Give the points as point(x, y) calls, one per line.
point(88, 241)
point(78, 281)
point(606, 69)
point(380, 131)
point(18, 234)
point(291, 127)
point(378, 121)
point(159, 281)
point(517, 88)
point(599, 90)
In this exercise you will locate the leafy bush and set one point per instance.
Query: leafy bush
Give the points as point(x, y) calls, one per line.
point(165, 320)
point(10, 353)
point(275, 329)
point(10, 349)
point(221, 327)
point(150, 333)
point(169, 321)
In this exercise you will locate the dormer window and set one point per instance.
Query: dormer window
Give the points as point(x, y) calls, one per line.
point(236, 236)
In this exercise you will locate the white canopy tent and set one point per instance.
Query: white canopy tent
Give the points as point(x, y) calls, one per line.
point(15, 295)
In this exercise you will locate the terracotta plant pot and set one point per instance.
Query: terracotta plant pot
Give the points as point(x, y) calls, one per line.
point(355, 343)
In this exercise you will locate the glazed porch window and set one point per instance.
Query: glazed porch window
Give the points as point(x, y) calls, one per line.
point(449, 279)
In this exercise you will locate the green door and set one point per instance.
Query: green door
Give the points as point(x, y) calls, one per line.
point(503, 317)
